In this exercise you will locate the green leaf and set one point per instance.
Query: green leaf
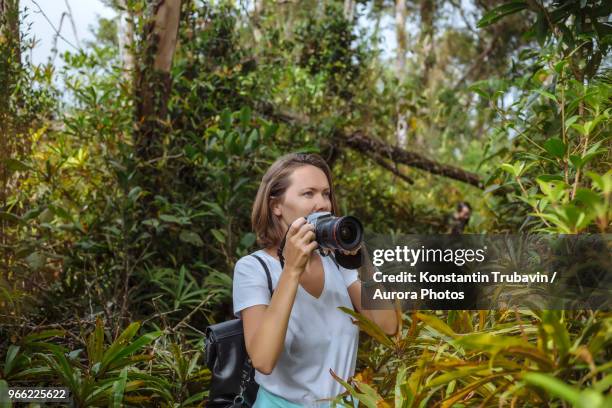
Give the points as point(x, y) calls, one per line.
point(45, 334)
point(61, 212)
point(488, 341)
point(541, 29)
point(16, 165)
point(500, 12)
point(245, 116)
point(588, 197)
point(436, 324)
point(508, 168)
point(191, 237)
point(554, 386)
point(195, 398)
point(171, 218)
point(133, 347)
point(111, 353)
point(226, 119)
point(356, 395)
point(119, 389)
point(247, 240)
point(95, 343)
point(559, 68)
point(553, 325)
point(580, 128)
point(555, 147)
point(252, 140)
point(4, 401)
point(602, 182)
point(7, 216)
point(550, 177)
point(491, 188)
point(403, 396)
point(11, 359)
point(448, 376)
point(134, 193)
point(555, 190)
point(575, 160)
point(546, 94)
point(62, 368)
point(570, 121)
point(219, 235)
point(369, 327)
point(270, 131)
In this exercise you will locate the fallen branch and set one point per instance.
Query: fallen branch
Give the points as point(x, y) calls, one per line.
point(369, 146)
point(380, 150)
point(393, 169)
point(366, 145)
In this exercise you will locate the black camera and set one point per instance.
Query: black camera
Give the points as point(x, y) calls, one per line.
point(345, 233)
point(339, 234)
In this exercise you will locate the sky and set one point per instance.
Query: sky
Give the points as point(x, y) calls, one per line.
point(44, 18)
point(85, 15)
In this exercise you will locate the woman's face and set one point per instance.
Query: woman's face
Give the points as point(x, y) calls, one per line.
point(308, 192)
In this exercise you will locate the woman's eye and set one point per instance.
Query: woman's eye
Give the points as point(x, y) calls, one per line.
point(327, 194)
point(308, 193)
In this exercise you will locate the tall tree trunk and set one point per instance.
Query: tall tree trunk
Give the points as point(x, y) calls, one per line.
point(427, 56)
point(153, 83)
point(257, 12)
point(153, 80)
point(400, 34)
point(126, 39)
point(349, 9)
point(426, 38)
point(401, 132)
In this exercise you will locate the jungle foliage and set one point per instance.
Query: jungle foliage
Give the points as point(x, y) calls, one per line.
point(126, 189)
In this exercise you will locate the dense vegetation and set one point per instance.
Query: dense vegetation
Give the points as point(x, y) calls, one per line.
point(127, 177)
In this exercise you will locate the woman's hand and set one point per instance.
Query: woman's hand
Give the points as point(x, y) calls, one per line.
point(299, 244)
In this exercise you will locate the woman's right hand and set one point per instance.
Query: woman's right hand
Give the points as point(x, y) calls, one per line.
point(299, 244)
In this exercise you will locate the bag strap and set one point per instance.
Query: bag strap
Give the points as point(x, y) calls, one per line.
point(261, 261)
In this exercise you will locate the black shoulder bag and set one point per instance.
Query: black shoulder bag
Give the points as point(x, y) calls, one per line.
point(233, 376)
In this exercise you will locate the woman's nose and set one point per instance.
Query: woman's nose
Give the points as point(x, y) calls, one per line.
point(322, 204)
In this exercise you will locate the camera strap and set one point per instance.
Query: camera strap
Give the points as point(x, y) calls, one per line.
point(279, 252)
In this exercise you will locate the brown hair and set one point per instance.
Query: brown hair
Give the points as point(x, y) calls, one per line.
point(267, 227)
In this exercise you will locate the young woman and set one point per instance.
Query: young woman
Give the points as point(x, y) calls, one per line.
point(297, 335)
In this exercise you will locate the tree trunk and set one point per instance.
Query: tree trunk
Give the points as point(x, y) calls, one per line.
point(426, 39)
point(153, 80)
point(400, 34)
point(427, 56)
point(401, 132)
point(349, 9)
point(152, 88)
point(126, 39)
point(257, 12)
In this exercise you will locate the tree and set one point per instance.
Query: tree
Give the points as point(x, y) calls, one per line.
point(11, 129)
point(153, 80)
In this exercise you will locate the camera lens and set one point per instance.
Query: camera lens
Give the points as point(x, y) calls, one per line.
point(338, 232)
point(349, 232)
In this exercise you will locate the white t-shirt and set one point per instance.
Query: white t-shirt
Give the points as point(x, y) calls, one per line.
point(319, 335)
